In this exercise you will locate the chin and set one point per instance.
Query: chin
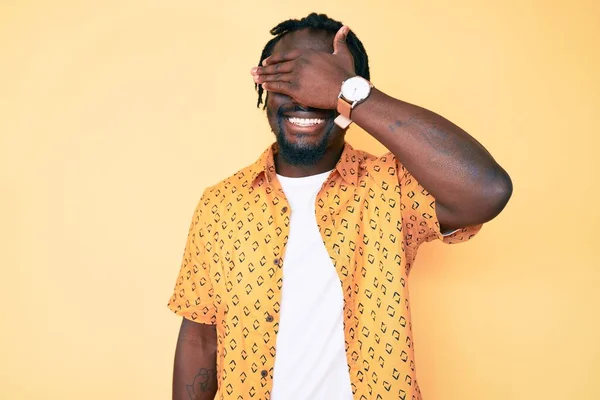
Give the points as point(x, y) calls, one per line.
point(302, 140)
point(301, 149)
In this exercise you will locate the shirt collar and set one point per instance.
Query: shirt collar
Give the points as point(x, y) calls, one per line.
point(347, 166)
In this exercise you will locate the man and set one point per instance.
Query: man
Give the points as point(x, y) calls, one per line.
point(293, 283)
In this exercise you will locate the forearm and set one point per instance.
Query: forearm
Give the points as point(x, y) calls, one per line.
point(194, 375)
point(447, 161)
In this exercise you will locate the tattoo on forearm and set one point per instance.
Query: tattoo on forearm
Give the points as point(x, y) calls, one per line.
point(396, 124)
point(434, 136)
point(203, 382)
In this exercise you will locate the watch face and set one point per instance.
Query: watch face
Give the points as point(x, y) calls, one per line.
point(356, 89)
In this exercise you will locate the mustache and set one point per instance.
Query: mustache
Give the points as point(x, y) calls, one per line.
point(286, 108)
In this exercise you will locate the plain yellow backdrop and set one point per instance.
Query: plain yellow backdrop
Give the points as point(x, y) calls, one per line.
point(115, 115)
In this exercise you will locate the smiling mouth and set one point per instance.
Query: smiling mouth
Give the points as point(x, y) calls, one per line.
point(305, 122)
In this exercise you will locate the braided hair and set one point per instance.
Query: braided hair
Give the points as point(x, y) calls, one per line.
point(315, 21)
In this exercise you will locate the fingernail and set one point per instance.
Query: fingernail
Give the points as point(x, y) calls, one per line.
point(254, 70)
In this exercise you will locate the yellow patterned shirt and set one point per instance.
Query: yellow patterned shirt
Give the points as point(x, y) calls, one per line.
point(372, 215)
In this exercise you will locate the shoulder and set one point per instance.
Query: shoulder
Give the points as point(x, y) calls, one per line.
point(380, 168)
point(228, 189)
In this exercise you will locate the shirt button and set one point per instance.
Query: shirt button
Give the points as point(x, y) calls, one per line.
point(276, 261)
point(264, 373)
point(269, 318)
point(284, 209)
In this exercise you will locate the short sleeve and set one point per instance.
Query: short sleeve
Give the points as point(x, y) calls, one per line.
point(419, 218)
point(193, 294)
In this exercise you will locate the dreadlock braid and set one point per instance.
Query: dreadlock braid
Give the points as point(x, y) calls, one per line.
point(315, 21)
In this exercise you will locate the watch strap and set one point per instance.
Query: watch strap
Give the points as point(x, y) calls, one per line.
point(345, 109)
point(342, 121)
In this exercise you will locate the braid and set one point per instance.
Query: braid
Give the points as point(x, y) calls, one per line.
point(315, 21)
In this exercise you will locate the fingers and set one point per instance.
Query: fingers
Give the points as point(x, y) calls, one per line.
point(273, 78)
point(279, 68)
point(339, 41)
point(281, 57)
point(272, 73)
point(278, 87)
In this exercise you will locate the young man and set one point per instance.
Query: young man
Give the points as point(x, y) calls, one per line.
point(293, 283)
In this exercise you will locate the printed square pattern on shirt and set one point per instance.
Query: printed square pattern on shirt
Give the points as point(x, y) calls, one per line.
point(372, 215)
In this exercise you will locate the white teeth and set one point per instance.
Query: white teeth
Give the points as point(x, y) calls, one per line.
point(305, 121)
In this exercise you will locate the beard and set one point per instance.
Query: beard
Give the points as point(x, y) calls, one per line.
point(301, 153)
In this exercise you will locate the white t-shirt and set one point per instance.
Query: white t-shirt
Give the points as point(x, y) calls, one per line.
point(310, 360)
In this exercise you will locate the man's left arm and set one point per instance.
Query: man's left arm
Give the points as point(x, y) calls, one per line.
point(469, 186)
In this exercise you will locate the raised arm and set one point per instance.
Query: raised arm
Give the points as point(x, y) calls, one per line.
point(194, 373)
point(468, 185)
point(470, 188)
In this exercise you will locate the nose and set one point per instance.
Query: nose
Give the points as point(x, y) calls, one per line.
point(302, 106)
point(305, 108)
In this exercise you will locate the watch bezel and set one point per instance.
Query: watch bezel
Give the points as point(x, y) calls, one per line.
point(354, 81)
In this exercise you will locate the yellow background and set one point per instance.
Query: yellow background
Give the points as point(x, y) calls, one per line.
point(115, 115)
